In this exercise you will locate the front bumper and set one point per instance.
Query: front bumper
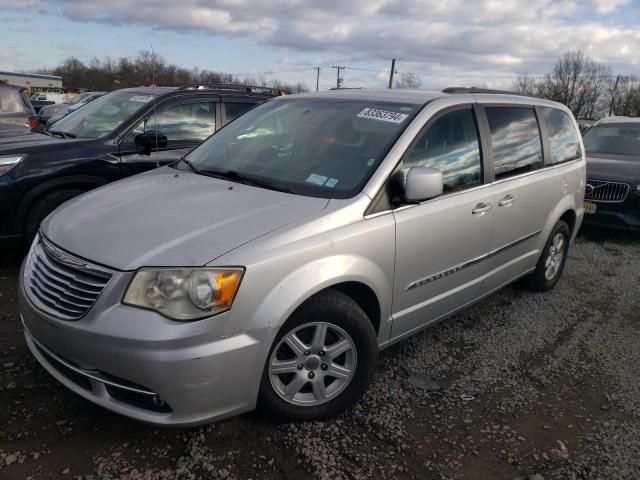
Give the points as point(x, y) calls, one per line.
point(161, 372)
point(623, 215)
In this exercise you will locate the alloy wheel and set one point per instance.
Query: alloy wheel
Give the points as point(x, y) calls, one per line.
point(555, 257)
point(312, 364)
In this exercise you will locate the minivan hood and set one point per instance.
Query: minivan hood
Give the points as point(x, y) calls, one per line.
point(616, 168)
point(167, 217)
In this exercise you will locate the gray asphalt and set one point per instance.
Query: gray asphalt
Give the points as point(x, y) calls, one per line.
point(533, 386)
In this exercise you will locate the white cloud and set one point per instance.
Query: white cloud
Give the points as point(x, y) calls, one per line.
point(480, 40)
point(608, 6)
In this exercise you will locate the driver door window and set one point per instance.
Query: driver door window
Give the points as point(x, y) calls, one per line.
point(186, 123)
point(451, 145)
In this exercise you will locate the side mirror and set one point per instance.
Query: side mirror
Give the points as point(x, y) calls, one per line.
point(150, 140)
point(422, 183)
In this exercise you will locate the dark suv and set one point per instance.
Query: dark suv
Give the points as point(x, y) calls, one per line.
point(16, 112)
point(612, 193)
point(117, 135)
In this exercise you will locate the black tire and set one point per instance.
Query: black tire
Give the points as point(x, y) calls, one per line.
point(537, 280)
point(43, 207)
point(334, 308)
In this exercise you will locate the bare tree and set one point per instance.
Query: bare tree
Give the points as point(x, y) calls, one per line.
point(526, 85)
point(408, 80)
point(578, 82)
point(624, 96)
point(144, 69)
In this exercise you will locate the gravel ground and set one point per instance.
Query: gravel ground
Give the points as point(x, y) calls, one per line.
point(531, 386)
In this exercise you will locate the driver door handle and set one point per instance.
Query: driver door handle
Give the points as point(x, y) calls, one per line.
point(506, 201)
point(481, 208)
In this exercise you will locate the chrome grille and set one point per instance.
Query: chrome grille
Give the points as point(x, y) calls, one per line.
point(61, 285)
point(603, 191)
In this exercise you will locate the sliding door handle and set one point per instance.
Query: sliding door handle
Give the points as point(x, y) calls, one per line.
point(506, 201)
point(481, 208)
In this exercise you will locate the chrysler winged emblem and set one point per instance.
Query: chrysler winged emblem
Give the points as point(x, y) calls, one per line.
point(62, 257)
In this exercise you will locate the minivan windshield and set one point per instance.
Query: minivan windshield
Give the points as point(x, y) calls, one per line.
point(319, 147)
point(102, 116)
point(613, 139)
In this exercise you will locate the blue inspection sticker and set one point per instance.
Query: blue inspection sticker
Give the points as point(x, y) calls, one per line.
point(330, 183)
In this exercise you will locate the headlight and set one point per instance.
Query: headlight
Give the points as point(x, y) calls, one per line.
point(637, 188)
point(6, 163)
point(184, 293)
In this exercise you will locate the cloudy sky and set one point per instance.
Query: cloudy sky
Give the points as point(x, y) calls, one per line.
point(445, 42)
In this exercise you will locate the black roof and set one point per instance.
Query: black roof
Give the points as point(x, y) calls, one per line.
point(222, 89)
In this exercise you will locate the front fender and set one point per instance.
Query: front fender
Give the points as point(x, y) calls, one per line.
point(315, 276)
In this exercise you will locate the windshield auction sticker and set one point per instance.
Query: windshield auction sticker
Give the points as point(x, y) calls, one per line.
point(141, 98)
point(384, 115)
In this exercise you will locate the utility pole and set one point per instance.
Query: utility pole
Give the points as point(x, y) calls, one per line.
point(317, 69)
point(339, 80)
point(393, 70)
point(613, 95)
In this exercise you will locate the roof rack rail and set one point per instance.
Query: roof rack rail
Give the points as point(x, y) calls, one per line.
point(478, 90)
point(235, 88)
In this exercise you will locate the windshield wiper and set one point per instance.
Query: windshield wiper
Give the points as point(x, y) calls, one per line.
point(63, 134)
point(241, 178)
point(190, 165)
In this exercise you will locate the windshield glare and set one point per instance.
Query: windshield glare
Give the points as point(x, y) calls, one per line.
point(102, 116)
point(613, 139)
point(76, 99)
point(319, 147)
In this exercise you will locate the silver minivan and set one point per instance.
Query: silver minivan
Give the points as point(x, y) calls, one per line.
point(270, 265)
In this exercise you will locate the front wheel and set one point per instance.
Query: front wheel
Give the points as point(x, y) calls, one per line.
point(552, 260)
point(42, 208)
point(321, 362)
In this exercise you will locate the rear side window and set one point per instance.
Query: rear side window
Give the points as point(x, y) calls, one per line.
point(451, 145)
point(515, 137)
point(234, 110)
point(563, 138)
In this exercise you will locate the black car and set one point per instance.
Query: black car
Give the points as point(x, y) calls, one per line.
point(50, 114)
point(612, 193)
point(16, 112)
point(117, 135)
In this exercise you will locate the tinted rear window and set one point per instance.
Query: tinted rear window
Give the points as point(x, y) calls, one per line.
point(515, 137)
point(563, 138)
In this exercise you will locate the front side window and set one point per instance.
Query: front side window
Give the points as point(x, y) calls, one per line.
point(613, 140)
point(323, 147)
point(563, 138)
point(102, 116)
point(451, 145)
point(515, 137)
point(184, 123)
